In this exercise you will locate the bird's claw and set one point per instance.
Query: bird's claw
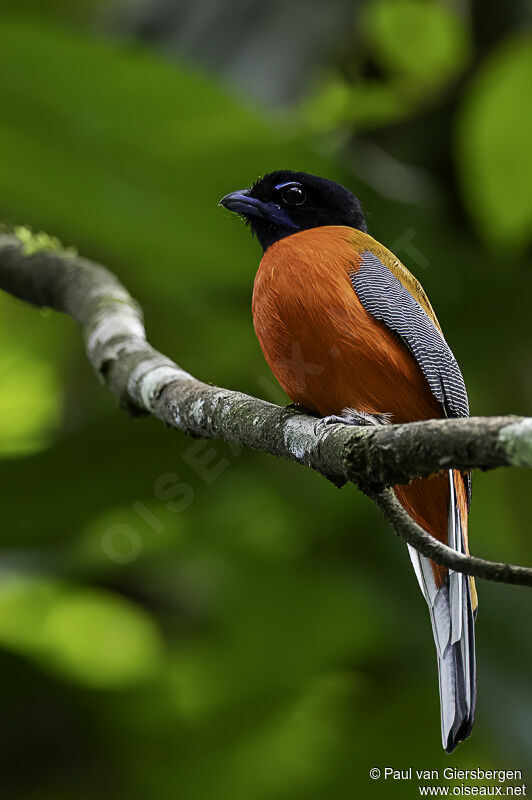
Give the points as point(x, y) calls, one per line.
point(350, 416)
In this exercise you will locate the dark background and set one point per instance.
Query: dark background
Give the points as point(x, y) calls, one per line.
point(178, 619)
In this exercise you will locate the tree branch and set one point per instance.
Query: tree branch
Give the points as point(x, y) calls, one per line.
point(411, 532)
point(145, 381)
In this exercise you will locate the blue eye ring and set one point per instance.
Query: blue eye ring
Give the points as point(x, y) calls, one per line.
point(292, 193)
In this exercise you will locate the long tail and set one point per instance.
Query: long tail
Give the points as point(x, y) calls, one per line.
point(452, 602)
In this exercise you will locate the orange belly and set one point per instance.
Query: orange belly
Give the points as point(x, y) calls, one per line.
point(324, 348)
point(328, 353)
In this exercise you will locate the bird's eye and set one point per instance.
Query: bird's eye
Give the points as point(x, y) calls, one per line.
point(292, 194)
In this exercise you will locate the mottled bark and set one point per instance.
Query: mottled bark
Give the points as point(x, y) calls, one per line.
point(145, 381)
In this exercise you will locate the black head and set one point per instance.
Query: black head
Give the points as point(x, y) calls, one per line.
point(286, 202)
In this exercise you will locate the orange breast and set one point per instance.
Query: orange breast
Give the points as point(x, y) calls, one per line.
point(324, 348)
point(329, 353)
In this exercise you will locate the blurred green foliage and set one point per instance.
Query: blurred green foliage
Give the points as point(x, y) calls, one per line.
point(437, 38)
point(242, 629)
point(94, 637)
point(438, 51)
point(493, 143)
point(26, 425)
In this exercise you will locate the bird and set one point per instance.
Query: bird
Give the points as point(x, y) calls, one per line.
point(351, 336)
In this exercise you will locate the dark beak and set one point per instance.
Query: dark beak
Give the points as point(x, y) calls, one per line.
point(242, 203)
point(247, 206)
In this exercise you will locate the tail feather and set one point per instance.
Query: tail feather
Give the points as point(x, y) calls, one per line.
point(455, 539)
point(452, 607)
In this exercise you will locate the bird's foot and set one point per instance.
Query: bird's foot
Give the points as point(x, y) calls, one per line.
point(349, 416)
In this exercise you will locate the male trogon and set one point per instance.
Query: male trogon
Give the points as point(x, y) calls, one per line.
point(350, 335)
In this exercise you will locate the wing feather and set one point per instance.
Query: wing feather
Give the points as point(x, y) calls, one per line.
point(389, 299)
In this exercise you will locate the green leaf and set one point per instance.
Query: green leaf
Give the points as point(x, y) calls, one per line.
point(30, 401)
point(494, 135)
point(420, 40)
point(94, 637)
point(363, 105)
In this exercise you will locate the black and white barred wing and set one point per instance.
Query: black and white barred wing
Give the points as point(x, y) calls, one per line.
point(385, 298)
